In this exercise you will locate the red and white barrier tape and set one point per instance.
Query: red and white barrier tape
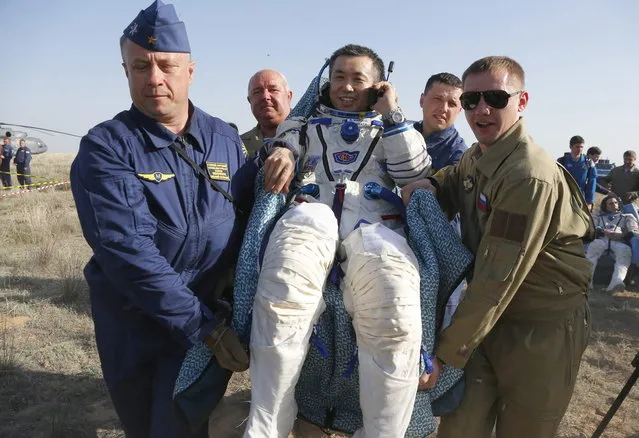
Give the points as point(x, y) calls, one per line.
point(4, 195)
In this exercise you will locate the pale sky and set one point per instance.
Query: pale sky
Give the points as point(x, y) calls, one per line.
point(62, 62)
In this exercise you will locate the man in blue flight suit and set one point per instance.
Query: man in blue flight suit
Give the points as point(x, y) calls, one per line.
point(5, 163)
point(581, 168)
point(159, 190)
point(440, 108)
point(22, 161)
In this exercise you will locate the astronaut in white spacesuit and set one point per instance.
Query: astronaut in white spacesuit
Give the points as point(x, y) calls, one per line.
point(337, 224)
point(613, 227)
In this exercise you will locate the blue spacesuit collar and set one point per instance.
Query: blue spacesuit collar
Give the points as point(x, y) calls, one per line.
point(160, 136)
point(346, 114)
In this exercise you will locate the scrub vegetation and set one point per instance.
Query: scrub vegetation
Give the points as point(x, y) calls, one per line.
point(50, 377)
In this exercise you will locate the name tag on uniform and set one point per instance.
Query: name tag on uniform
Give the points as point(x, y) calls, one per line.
point(156, 176)
point(218, 171)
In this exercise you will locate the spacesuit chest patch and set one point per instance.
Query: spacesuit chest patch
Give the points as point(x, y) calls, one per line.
point(345, 157)
point(311, 163)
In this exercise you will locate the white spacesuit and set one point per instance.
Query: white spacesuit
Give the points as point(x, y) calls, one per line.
point(612, 227)
point(339, 153)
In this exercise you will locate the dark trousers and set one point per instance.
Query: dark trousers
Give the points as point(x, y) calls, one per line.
point(5, 177)
point(140, 364)
point(144, 402)
point(24, 174)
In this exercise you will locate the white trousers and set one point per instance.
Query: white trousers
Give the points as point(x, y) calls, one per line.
point(622, 254)
point(381, 294)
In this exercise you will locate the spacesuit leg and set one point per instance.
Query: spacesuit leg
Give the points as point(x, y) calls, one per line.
point(381, 293)
point(288, 302)
point(596, 248)
point(622, 262)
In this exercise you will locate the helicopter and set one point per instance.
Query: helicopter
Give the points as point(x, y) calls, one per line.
point(36, 145)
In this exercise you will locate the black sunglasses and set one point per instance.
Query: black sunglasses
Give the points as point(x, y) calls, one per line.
point(498, 99)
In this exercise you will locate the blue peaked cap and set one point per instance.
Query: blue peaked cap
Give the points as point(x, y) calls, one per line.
point(158, 28)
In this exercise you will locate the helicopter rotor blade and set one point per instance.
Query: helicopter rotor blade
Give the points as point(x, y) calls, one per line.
point(41, 129)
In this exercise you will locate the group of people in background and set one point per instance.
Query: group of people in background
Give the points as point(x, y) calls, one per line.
point(21, 159)
point(617, 219)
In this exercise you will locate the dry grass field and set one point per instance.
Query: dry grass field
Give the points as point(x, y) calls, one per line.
point(50, 378)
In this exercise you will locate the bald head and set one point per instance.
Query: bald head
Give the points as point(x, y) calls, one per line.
point(270, 100)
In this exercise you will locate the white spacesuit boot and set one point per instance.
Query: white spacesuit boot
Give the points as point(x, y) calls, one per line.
point(381, 293)
point(288, 302)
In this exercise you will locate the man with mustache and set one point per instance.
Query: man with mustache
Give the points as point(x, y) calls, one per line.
point(159, 191)
point(270, 101)
point(523, 325)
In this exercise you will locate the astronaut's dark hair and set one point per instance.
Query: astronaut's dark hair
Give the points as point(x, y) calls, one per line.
point(356, 50)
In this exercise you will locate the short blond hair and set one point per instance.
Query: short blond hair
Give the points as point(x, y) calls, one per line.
point(497, 63)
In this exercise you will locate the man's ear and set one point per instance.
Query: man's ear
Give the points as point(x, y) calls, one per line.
point(421, 101)
point(523, 101)
point(191, 68)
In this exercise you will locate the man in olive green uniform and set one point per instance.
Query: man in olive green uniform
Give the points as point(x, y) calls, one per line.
point(623, 181)
point(522, 328)
point(270, 101)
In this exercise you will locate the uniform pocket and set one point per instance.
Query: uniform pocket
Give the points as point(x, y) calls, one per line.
point(570, 337)
point(577, 337)
point(502, 258)
point(170, 241)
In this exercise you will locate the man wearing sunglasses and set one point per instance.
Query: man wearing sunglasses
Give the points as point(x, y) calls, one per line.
point(522, 327)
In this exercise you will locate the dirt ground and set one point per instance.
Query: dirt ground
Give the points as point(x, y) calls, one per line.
point(50, 378)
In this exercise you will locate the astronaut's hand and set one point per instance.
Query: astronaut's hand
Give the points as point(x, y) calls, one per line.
point(428, 381)
point(388, 99)
point(425, 184)
point(279, 169)
point(227, 348)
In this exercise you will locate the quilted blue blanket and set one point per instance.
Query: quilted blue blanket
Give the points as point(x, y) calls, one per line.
point(328, 390)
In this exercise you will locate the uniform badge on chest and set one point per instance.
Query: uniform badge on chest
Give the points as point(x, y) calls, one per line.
point(468, 183)
point(156, 177)
point(218, 171)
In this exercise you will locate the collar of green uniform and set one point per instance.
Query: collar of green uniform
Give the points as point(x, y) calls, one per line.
point(161, 137)
point(253, 134)
point(489, 161)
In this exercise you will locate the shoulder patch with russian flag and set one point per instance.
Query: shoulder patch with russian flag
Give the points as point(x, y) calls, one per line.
point(482, 202)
